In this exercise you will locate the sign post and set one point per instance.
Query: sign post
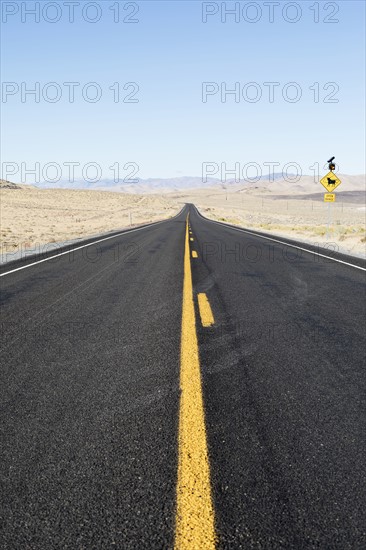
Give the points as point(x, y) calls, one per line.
point(330, 181)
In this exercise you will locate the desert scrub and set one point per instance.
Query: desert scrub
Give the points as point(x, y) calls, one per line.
point(266, 226)
point(319, 231)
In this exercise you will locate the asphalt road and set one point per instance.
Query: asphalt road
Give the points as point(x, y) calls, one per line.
point(90, 392)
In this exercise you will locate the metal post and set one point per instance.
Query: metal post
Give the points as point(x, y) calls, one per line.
point(328, 222)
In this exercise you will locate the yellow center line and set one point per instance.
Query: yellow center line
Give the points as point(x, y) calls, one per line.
point(206, 314)
point(194, 254)
point(195, 526)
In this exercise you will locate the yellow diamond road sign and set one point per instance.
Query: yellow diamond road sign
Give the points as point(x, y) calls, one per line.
point(330, 182)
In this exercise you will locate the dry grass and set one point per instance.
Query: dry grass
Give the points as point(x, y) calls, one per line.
point(304, 220)
point(31, 217)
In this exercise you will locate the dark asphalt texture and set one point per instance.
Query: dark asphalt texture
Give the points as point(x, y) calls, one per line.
point(89, 390)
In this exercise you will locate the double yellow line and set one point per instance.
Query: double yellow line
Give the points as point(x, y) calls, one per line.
point(195, 525)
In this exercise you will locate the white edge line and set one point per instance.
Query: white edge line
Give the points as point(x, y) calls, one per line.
point(126, 232)
point(280, 242)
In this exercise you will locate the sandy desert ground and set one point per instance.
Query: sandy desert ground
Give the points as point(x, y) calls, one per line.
point(296, 216)
point(31, 218)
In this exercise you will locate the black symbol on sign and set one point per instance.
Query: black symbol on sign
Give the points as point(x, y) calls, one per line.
point(331, 182)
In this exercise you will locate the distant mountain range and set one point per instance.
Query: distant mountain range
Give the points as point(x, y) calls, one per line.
point(153, 185)
point(276, 185)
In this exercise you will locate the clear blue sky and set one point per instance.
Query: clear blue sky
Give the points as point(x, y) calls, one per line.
point(169, 53)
